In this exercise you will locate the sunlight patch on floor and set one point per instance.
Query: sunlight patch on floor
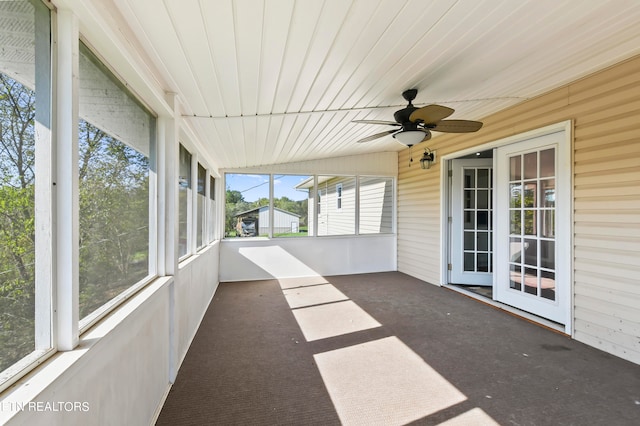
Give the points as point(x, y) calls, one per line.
point(383, 382)
point(334, 319)
point(286, 283)
point(315, 295)
point(475, 417)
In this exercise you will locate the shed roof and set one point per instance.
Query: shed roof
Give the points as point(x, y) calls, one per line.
point(263, 208)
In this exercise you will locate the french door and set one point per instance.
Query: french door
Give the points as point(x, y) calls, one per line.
point(510, 224)
point(533, 226)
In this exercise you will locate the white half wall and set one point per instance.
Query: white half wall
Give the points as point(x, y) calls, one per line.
point(262, 259)
point(121, 371)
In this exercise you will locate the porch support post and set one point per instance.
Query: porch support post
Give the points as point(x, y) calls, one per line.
point(66, 183)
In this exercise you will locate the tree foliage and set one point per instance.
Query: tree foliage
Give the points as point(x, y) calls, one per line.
point(114, 206)
point(17, 241)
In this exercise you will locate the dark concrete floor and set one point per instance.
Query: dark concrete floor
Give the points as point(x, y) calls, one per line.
point(251, 364)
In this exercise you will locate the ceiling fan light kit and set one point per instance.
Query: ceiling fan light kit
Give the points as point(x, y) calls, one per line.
point(409, 137)
point(414, 125)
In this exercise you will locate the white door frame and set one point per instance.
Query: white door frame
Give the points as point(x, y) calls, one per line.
point(566, 168)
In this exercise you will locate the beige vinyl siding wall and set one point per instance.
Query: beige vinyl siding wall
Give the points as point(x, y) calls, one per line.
point(605, 110)
point(376, 205)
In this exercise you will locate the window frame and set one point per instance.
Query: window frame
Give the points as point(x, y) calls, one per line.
point(189, 202)
point(211, 208)
point(44, 341)
point(321, 196)
point(94, 317)
point(201, 207)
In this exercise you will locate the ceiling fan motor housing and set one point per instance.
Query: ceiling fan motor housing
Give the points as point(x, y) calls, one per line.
point(402, 116)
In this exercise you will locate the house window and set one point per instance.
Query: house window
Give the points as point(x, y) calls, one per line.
point(202, 181)
point(376, 205)
point(247, 205)
point(25, 98)
point(339, 197)
point(115, 146)
point(184, 201)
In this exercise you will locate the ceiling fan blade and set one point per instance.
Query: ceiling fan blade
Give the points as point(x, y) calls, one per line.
point(457, 126)
point(427, 135)
point(389, 123)
point(430, 114)
point(377, 135)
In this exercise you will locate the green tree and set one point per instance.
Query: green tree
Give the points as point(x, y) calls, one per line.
point(234, 204)
point(114, 206)
point(17, 240)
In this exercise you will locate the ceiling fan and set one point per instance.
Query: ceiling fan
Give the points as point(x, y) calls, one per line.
point(414, 125)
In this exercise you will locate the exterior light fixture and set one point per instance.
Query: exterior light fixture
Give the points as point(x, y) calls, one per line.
point(427, 158)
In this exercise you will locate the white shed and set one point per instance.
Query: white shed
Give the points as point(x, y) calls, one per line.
point(283, 221)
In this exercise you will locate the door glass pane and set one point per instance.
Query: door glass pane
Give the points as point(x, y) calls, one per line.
point(483, 220)
point(515, 195)
point(531, 251)
point(483, 178)
point(469, 220)
point(470, 178)
point(547, 162)
point(515, 222)
point(530, 222)
point(547, 254)
point(515, 250)
point(483, 241)
point(469, 240)
point(483, 262)
point(530, 194)
point(483, 199)
point(548, 223)
point(548, 285)
point(531, 165)
point(469, 199)
point(531, 281)
point(547, 193)
point(469, 262)
point(515, 168)
point(515, 281)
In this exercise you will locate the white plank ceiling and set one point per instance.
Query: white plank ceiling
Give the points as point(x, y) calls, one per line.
point(266, 82)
